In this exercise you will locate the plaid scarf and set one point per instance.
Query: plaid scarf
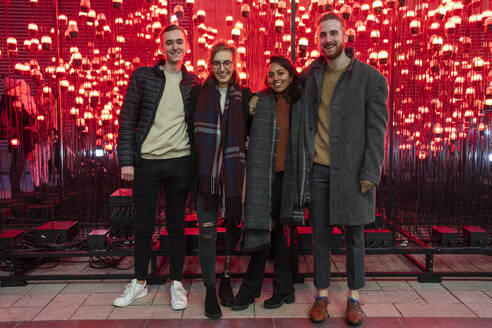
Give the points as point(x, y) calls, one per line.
point(219, 143)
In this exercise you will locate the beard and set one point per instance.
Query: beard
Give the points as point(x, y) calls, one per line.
point(338, 50)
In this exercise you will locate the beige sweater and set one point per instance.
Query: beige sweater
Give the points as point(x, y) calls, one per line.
point(322, 137)
point(167, 137)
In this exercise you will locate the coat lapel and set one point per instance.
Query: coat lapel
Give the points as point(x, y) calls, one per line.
point(318, 78)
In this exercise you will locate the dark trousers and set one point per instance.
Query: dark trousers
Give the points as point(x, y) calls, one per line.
point(322, 230)
point(207, 221)
point(282, 276)
point(176, 175)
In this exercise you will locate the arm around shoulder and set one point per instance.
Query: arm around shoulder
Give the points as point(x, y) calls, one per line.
point(252, 104)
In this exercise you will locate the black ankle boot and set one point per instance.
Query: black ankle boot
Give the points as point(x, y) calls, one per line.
point(277, 300)
point(242, 302)
point(226, 295)
point(212, 307)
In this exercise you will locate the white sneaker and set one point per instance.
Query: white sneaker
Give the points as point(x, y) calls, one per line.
point(132, 291)
point(178, 296)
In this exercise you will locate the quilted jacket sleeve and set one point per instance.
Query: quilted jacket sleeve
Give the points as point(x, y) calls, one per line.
point(128, 121)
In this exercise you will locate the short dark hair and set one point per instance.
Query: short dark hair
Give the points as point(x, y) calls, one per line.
point(293, 92)
point(172, 27)
point(332, 16)
point(219, 46)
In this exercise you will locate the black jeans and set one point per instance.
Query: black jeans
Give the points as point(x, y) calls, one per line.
point(322, 232)
point(207, 220)
point(282, 276)
point(176, 175)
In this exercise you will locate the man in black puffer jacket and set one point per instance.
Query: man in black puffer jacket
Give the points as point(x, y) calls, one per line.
point(155, 148)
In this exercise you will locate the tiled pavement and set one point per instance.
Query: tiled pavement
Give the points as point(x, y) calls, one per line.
point(387, 303)
point(261, 323)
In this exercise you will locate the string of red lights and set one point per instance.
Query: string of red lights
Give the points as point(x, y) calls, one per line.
point(436, 56)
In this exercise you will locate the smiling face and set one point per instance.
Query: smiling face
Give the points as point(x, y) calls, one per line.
point(279, 78)
point(174, 46)
point(222, 68)
point(331, 38)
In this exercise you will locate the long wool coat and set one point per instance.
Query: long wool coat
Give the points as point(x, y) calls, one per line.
point(260, 173)
point(359, 118)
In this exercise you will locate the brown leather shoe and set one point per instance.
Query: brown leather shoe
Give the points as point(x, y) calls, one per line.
point(354, 314)
point(319, 310)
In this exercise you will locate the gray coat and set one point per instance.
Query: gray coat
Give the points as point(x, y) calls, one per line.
point(358, 123)
point(260, 173)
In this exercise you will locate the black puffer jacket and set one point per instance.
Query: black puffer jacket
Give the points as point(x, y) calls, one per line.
point(137, 115)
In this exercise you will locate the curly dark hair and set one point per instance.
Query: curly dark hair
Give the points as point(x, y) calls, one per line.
point(293, 91)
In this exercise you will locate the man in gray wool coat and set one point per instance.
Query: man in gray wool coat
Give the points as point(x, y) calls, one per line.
point(344, 104)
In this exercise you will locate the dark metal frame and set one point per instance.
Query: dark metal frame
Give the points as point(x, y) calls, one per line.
point(426, 271)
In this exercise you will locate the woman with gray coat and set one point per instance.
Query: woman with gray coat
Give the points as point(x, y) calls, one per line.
point(268, 180)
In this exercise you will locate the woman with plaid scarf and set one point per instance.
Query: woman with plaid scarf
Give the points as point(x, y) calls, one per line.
point(221, 121)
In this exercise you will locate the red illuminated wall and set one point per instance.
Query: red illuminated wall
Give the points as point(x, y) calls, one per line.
point(436, 56)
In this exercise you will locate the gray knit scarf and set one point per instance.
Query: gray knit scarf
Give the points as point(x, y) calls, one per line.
point(260, 173)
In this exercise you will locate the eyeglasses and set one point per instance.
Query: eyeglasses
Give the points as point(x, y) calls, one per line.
point(227, 64)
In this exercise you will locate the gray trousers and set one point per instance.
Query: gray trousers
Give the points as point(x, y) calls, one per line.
point(322, 230)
